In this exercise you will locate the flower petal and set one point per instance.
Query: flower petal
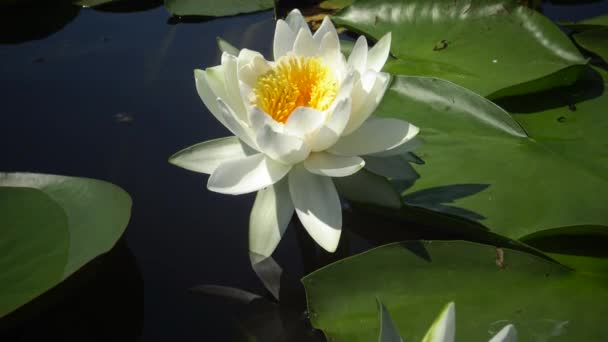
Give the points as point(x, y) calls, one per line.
point(284, 37)
point(304, 45)
point(326, 164)
point(210, 86)
point(317, 205)
point(506, 334)
point(444, 327)
point(358, 56)
point(346, 87)
point(329, 51)
point(270, 216)
point(250, 65)
point(258, 119)
point(329, 133)
point(377, 56)
point(326, 27)
point(365, 101)
point(246, 175)
point(296, 21)
point(375, 135)
point(231, 85)
point(207, 156)
point(304, 120)
point(287, 149)
point(235, 125)
point(402, 149)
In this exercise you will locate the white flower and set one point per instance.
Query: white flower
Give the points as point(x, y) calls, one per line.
point(444, 328)
point(297, 121)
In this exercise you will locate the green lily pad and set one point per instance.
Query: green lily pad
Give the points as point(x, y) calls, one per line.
point(494, 47)
point(50, 227)
point(414, 280)
point(588, 24)
point(595, 41)
point(91, 3)
point(481, 165)
point(215, 8)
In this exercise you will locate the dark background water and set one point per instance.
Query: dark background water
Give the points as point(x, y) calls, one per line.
point(111, 95)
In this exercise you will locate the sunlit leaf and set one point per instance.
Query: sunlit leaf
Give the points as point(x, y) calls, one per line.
point(481, 165)
point(50, 226)
point(595, 41)
point(216, 8)
point(542, 299)
point(494, 47)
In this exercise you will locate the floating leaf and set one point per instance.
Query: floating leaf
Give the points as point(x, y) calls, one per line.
point(494, 47)
point(215, 8)
point(595, 41)
point(481, 165)
point(50, 227)
point(588, 24)
point(544, 300)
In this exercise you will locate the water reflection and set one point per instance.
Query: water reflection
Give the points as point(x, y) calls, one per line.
point(103, 301)
point(21, 23)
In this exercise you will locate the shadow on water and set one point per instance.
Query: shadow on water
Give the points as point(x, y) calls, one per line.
point(102, 301)
point(24, 21)
point(32, 21)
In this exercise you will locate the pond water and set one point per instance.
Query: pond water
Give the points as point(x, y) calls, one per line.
point(111, 96)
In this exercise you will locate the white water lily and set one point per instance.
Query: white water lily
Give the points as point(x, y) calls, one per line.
point(297, 122)
point(444, 328)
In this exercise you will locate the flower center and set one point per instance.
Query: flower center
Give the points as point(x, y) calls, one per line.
point(295, 82)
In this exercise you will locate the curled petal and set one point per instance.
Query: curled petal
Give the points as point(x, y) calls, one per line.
point(304, 120)
point(207, 156)
point(258, 119)
point(329, 133)
point(251, 64)
point(246, 175)
point(375, 135)
point(270, 216)
point(327, 164)
point(282, 147)
point(235, 125)
point(317, 205)
point(377, 56)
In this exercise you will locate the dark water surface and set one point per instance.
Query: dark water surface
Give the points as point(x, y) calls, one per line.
point(111, 96)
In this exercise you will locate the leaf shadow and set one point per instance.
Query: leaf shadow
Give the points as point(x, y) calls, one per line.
point(417, 248)
point(590, 85)
point(436, 199)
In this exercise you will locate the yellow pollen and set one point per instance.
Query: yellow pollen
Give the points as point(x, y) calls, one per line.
point(295, 82)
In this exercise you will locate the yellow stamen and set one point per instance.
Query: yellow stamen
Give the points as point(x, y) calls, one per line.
point(294, 82)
